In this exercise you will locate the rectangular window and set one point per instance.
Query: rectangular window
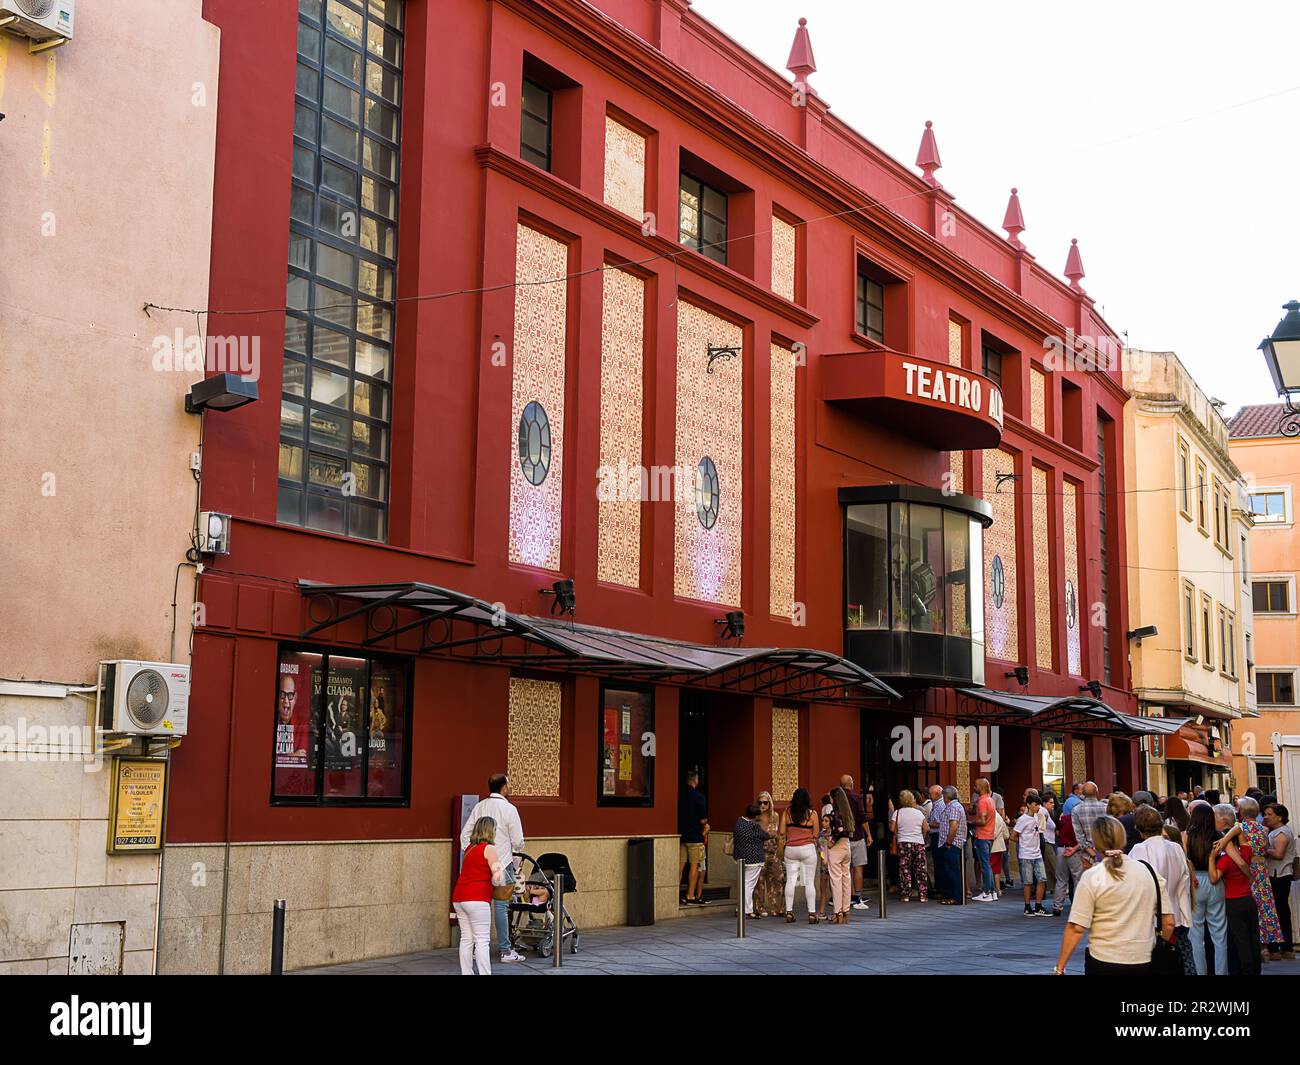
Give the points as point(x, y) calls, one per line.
point(1207, 631)
point(866, 557)
point(1223, 641)
point(341, 727)
point(1189, 621)
point(1231, 650)
point(871, 308)
point(1271, 597)
point(1184, 477)
point(702, 218)
point(1276, 687)
point(1200, 496)
point(1250, 659)
point(1245, 560)
point(627, 745)
point(535, 125)
point(1268, 507)
point(335, 406)
point(1219, 530)
point(992, 365)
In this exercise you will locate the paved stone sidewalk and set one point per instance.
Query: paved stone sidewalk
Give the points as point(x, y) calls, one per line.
point(988, 938)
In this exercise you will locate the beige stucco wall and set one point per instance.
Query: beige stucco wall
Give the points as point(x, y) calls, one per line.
point(354, 900)
point(109, 147)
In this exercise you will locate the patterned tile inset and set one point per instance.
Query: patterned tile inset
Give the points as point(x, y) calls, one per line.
point(707, 563)
point(783, 500)
point(785, 752)
point(962, 783)
point(624, 169)
point(1038, 399)
point(1001, 616)
point(783, 257)
point(1043, 616)
point(1078, 761)
point(956, 459)
point(954, 343)
point(533, 737)
point(541, 312)
point(622, 350)
point(1071, 598)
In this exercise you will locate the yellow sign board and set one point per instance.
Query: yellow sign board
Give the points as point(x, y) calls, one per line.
point(135, 817)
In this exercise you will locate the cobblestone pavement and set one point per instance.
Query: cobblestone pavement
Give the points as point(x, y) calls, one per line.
point(988, 938)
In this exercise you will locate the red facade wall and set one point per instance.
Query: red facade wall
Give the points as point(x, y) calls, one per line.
point(463, 189)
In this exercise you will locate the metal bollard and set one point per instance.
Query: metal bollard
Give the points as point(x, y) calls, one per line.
point(277, 938)
point(557, 931)
point(740, 898)
point(882, 882)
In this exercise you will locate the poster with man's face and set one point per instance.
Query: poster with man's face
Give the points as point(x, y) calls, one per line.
point(297, 692)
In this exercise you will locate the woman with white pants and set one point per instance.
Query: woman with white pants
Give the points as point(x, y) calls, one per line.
point(480, 870)
point(747, 839)
point(799, 827)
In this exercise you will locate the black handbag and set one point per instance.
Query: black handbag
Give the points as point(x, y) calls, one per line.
point(1166, 959)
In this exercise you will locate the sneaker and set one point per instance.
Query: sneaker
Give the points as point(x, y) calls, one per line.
point(1029, 911)
point(512, 956)
point(983, 896)
point(697, 902)
point(1055, 912)
point(1040, 912)
point(861, 904)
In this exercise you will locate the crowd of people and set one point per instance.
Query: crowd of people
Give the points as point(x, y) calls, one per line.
point(1184, 884)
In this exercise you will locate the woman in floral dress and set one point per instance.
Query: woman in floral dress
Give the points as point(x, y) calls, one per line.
point(1255, 837)
point(769, 892)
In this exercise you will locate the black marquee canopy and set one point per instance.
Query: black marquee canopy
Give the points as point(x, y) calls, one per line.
point(462, 627)
point(1077, 713)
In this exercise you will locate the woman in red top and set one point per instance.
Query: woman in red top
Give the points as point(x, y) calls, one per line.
point(471, 898)
point(1231, 864)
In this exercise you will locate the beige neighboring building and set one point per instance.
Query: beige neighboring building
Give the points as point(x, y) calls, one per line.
point(108, 161)
point(1270, 464)
point(1188, 548)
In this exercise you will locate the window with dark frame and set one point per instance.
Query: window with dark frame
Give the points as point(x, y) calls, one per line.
point(1271, 597)
point(871, 308)
point(1189, 621)
point(341, 731)
point(335, 407)
point(626, 771)
point(1276, 687)
point(991, 365)
point(535, 124)
point(702, 218)
point(1200, 496)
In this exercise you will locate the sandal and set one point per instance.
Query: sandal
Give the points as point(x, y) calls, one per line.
point(789, 917)
point(904, 898)
point(812, 919)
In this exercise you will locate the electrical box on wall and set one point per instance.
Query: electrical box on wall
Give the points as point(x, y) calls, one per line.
point(45, 23)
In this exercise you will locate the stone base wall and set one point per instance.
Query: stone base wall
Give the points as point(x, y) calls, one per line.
point(354, 900)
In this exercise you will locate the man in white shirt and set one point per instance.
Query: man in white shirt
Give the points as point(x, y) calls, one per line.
point(1169, 860)
point(510, 839)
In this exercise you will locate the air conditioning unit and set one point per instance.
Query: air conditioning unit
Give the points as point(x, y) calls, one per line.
point(45, 23)
point(144, 698)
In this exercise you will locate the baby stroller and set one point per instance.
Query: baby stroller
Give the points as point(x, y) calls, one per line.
point(533, 916)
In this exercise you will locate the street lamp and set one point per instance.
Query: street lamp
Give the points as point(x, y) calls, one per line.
point(1282, 353)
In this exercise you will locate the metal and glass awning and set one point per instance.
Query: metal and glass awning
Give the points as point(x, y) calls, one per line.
point(1075, 712)
point(463, 627)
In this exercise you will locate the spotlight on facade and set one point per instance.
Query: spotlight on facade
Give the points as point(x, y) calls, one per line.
point(1143, 633)
point(1282, 354)
point(734, 620)
point(566, 599)
point(1021, 673)
point(223, 391)
point(1093, 686)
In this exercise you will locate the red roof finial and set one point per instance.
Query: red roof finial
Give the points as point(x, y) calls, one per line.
point(801, 62)
point(927, 156)
point(1074, 265)
point(1014, 222)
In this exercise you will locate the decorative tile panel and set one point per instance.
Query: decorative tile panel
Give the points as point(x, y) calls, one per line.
point(782, 508)
point(783, 257)
point(1071, 598)
point(707, 563)
point(624, 169)
point(1078, 762)
point(785, 752)
point(622, 351)
point(533, 744)
point(1038, 399)
point(538, 355)
point(962, 783)
point(956, 459)
point(1043, 616)
point(1001, 615)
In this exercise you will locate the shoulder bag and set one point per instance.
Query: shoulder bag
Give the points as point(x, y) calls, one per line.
point(1165, 957)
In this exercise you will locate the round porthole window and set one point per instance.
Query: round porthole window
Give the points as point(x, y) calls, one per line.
point(534, 443)
point(706, 492)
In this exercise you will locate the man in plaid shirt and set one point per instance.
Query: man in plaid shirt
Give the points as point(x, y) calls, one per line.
point(952, 839)
point(1084, 816)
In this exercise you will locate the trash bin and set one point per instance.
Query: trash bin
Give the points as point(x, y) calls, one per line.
point(640, 881)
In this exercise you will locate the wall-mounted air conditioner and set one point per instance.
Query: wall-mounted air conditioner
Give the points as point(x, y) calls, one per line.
point(144, 698)
point(45, 23)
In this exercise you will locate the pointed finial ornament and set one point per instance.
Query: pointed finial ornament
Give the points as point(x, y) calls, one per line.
point(1074, 266)
point(927, 156)
point(801, 62)
point(1014, 221)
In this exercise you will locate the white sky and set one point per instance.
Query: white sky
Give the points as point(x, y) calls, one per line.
point(1189, 225)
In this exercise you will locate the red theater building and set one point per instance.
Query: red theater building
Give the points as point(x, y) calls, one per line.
point(622, 411)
